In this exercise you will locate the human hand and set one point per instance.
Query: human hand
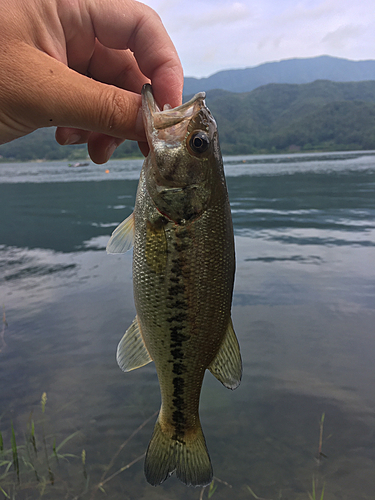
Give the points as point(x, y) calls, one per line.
point(47, 48)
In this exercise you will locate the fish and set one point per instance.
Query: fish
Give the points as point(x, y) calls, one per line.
point(183, 276)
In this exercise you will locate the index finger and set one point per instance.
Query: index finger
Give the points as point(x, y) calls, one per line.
point(127, 24)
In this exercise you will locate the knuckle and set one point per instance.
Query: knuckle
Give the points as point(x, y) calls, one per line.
point(115, 112)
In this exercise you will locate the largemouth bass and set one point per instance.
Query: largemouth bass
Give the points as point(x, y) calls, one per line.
point(183, 273)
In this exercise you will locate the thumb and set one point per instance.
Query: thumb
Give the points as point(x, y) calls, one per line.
point(51, 94)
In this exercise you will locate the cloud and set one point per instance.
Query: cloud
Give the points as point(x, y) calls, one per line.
point(311, 11)
point(179, 15)
point(211, 35)
point(343, 36)
point(219, 15)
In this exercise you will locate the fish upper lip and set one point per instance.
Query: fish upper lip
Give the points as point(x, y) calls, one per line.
point(156, 119)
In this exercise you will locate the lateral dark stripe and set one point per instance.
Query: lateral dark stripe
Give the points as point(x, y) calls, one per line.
point(177, 303)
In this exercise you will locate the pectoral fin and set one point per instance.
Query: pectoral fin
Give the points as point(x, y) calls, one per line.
point(122, 238)
point(227, 366)
point(131, 351)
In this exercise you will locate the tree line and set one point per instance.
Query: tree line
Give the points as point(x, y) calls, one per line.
point(275, 118)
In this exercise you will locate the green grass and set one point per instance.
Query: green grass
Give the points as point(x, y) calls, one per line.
point(30, 466)
point(36, 467)
point(314, 494)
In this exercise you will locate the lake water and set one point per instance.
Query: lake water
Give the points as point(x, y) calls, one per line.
point(303, 310)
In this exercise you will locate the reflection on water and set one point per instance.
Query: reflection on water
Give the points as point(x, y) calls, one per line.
point(303, 312)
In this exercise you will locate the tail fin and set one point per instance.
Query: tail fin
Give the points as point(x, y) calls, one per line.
point(189, 459)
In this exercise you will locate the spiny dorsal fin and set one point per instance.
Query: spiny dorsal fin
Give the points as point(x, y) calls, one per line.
point(131, 351)
point(122, 238)
point(227, 366)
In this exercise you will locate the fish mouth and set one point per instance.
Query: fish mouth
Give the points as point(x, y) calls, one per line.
point(170, 124)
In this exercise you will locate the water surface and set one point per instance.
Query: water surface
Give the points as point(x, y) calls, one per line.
point(303, 310)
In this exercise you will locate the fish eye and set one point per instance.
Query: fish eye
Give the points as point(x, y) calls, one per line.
point(199, 142)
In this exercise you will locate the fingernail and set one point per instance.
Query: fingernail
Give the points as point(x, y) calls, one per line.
point(110, 150)
point(72, 139)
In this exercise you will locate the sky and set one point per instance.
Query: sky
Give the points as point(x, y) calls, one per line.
point(213, 35)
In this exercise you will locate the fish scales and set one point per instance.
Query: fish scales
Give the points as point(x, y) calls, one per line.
point(183, 273)
point(180, 305)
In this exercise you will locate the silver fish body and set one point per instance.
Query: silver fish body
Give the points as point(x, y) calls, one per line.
point(183, 274)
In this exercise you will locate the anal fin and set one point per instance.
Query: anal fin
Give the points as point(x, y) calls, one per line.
point(131, 351)
point(227, 365)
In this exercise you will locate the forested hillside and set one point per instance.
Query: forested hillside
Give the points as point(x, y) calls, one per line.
point(319, 116)
point(41, 144)
point(297, 70)
point(322, 115)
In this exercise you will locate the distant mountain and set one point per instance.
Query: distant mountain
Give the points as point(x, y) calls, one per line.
point(274, 118)
point(318, 116)
point(287, 71)
point(41, 144)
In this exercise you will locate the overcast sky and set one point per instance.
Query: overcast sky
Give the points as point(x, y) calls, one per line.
point(211, 35)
